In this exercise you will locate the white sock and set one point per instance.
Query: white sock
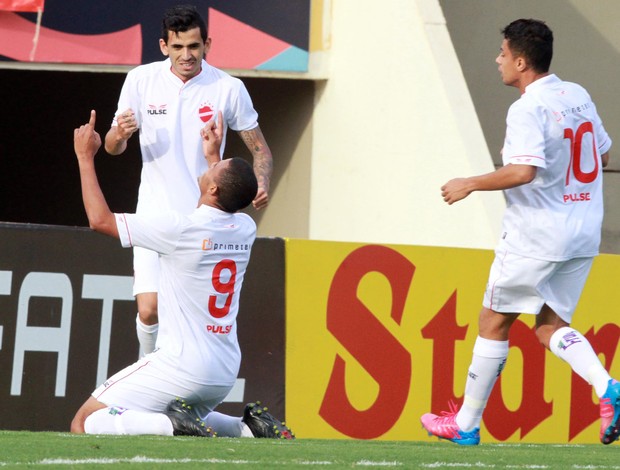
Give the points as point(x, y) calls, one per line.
point(116, 420)
point(227, 426)
point(147, 336)
point(487, 363)
point(572, 347)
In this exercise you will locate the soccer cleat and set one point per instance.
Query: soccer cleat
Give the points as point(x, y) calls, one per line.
point(263, 424)
point(185, 422)
point(610, 412)
point(445, 427)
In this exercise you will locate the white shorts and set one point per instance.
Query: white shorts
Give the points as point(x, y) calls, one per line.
point(518, 284)
point(145, 270)
point(150, 384)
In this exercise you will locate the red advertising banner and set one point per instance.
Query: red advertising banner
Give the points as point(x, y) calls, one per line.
point(378, 335)
point(32, 6)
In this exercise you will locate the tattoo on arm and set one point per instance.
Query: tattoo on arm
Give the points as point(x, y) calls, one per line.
point(263, 162)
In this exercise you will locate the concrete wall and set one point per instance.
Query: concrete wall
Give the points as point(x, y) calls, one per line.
point(392, 123)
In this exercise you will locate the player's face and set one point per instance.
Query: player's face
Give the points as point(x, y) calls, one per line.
point(507, 65)
point(210, 177)
point(186, 51)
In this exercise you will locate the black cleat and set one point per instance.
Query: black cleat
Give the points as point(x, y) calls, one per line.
point(185, 421)
point(263, 424)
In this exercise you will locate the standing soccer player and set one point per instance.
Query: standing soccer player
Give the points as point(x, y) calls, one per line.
point(169, 102)
point(554, 152)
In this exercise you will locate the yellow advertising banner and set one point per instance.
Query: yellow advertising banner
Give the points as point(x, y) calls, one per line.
point(377, 335)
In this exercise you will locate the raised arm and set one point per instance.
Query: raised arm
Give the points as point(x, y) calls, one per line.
point(86, 143)
point(263, 164)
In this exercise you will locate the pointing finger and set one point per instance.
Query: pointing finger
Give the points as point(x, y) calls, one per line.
point(220, 121)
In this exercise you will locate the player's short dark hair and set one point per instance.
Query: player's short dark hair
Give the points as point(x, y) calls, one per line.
point(182, 18)
point(531, 39)
point(237, 185)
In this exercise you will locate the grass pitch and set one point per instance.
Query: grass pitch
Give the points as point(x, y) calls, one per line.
point(62, 450)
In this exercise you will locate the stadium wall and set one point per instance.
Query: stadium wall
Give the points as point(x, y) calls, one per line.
point(391, 124)
point(67, 322)
point(345, 340)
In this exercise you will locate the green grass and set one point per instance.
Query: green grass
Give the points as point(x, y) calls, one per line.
point(62, 450)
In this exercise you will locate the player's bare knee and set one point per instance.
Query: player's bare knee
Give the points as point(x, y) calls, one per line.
point(147, 307)
point(148, 316)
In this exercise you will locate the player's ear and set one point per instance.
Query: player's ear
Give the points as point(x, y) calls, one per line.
point(163, 47)
point(207, 46)
point(213, 189)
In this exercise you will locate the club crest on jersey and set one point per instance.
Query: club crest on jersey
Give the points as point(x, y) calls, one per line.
point(154, 109)
point(205, 112)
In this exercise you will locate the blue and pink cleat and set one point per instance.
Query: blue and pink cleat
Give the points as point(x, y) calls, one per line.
point(610, 412)
point(445, 427)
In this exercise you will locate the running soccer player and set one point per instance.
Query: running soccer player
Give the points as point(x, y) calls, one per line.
point(554, 153)
point(169, 102)
point(203, 259)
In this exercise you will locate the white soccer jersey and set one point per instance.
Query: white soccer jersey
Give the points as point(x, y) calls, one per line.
point(203, 259)
point(170, 114)
point(555, 127)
